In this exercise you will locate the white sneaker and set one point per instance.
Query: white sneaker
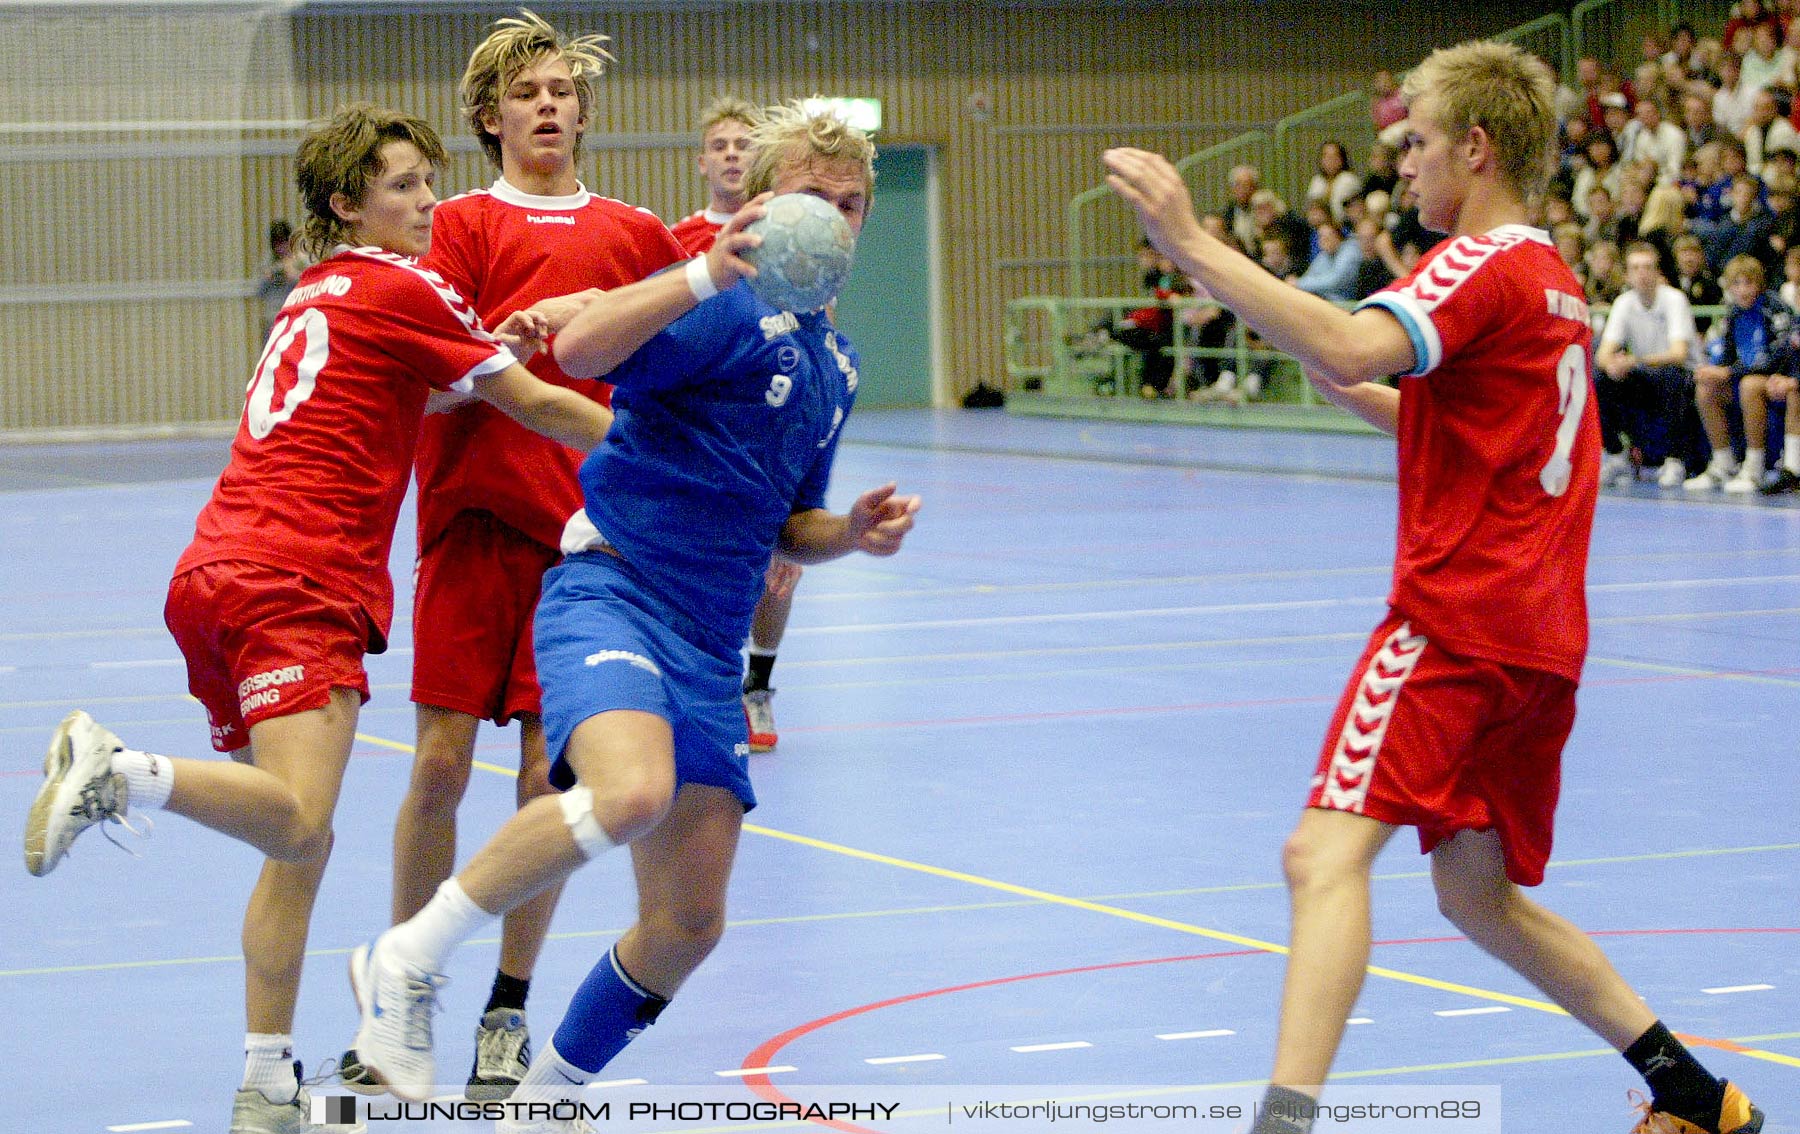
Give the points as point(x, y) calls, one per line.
point(1747, 480)
point(1253, 383)
point(397, 1001)
point(1712, 478)
point(1615, 470)
point(80, 789)
point(1671, 475)
point(253, 1113)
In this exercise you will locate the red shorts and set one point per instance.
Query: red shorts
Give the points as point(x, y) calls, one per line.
point(473, 601)
point(1423, 738)
point(263, 642)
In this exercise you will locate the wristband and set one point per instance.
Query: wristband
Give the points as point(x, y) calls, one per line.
point(699, 279)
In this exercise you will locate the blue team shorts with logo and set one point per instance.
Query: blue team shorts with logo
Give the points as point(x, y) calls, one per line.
point(604, 643)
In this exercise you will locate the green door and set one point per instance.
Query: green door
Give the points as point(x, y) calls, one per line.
point(889, 309)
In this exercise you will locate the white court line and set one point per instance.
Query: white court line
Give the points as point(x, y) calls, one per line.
point(1488, 1011)
point(882, 1061)
point(740, 1072)
point(603, 1084)
point(170, 1124)
point(1196, 1035)
point(1070, 1046)
point(1730, 988)
point(146, 663)
point(1359, 1020)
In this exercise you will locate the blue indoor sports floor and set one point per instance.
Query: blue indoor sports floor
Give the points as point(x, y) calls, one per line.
point(1024, 823)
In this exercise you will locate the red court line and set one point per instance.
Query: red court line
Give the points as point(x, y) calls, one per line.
point(765, 1053)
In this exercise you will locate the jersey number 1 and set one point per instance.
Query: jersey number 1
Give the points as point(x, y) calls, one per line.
point(259, 398)
point(1571, 400)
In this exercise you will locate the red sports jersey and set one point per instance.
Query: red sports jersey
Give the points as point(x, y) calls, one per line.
point(320, 463)
point(697, 231)
point(1499, 451)
point(506, 250)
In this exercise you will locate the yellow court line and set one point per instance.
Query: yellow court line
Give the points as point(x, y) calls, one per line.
point(1143, 918)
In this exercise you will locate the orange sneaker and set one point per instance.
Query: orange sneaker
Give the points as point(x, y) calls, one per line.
point(759, 714)
point(1736, 1116)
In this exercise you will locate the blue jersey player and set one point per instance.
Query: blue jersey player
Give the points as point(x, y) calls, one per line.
point(728, 417)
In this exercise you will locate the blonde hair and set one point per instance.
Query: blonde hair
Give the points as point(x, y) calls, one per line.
point(1744, 267)
point(343, 155)
point(792, 135)
point(1500, 88)
point(728, 109)
point(1664, 210)
point(518, 42)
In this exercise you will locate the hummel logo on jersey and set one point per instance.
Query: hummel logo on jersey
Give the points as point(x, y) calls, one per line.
point(1346, 781)
point(843, 361)
point(532, 219)
point(638, 660)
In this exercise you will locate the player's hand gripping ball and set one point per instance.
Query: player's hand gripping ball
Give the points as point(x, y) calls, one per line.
point(805, 254)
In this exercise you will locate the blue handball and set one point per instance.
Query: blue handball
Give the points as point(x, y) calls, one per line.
point(805, 254)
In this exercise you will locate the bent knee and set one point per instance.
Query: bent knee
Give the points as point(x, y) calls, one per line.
point(629, 811)
point(304, 841)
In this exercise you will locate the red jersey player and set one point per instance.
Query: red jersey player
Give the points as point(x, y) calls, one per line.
point(285, 586)
point(1455, 719)
point(493, 496)
point(725, 153)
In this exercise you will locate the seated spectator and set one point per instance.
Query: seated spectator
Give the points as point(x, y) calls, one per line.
point(1274, 217)
point(1591, 83)
point(1767, 63)
point(1239, 217)
point(1745, 229)
point(1605, 274)
point(1682, 42)
point(281, 272)
point(1694, 279)
point(1602, 168)
point(1644, 378)
point(1697, 124)
point(1628, 218)
point(1149, 330)
point(1789, 291)
point(1384, 169)
point(1785, 388)
point(1768, 129)
point(1558, 210)
point(1571, 248)
point(1732, 99)
point(1748, 15)
point(1603, 216)
point(1277, 256)
point(1332, 273)
point(1374, 272)
point(1335, 182)
point(1784, 229)
point(1317, 213)
point(1659, 226)
point(1387, 108)
point(1652, 137)
point(1750, 341)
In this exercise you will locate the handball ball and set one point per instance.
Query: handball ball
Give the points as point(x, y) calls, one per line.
point(805, 254)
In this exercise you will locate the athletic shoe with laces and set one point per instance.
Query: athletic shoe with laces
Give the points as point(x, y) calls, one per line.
point(1786, 480)
point(759, 714)
point(502, 1054)
point(80, 789)
point(397, 1001)
point(1710, 479)
point(1616, 470)
point(1736, 1116)
point(253, 1113)
point(1747, 480)
point(355, 1077)
point(1672, 473)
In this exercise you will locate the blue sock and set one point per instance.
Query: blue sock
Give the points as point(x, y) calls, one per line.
point(610, 1010)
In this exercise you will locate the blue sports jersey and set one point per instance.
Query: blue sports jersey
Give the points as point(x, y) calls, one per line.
point(727, 422)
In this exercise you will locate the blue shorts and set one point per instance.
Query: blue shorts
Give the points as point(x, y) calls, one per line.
point(604, 643)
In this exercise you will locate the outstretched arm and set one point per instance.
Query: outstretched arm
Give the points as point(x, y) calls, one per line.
point(1342, 347)
point(614, 324)
point(543, 407)
point(876, 524)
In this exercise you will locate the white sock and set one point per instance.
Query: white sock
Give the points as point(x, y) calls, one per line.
point(269, 1066)
point(551, 1078)
point(432, 934)
point(149, 778)
point(1724, 461)
point(1753, 463)
point(1790, 452)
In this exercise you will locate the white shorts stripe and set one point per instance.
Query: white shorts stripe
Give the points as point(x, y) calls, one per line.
point(1352, 767)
